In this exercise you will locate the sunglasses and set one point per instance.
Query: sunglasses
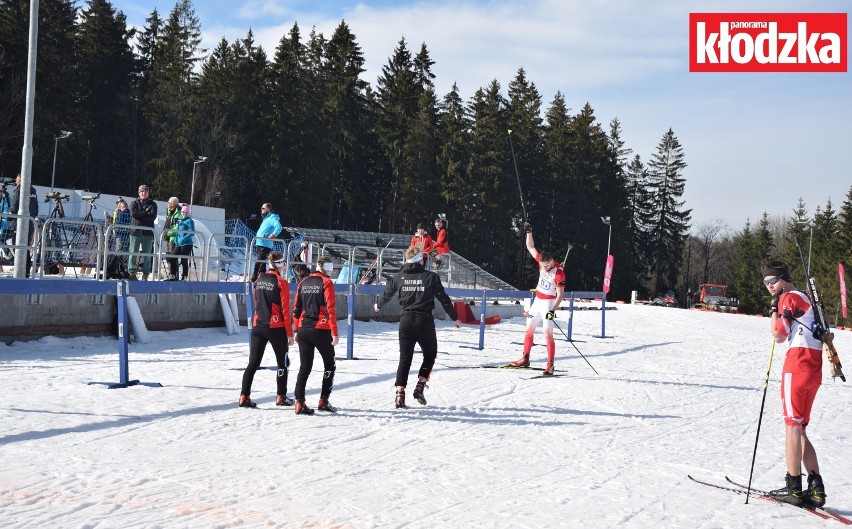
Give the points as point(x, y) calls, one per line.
point(772, 281)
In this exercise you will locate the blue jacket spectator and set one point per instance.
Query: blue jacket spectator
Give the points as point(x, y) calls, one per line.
point(271, 225)
point(269, 228)
point(185, 224)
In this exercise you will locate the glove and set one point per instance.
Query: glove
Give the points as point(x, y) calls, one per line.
point(527, 227)
point(774, 307)
point(550, 315)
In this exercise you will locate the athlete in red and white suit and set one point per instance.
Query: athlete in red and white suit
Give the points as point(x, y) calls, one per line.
point(548, 296)
point(792, 318)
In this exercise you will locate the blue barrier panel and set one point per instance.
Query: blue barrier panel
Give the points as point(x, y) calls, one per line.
point(56, 286)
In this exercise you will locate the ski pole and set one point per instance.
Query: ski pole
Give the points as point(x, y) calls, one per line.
point(575, 347)
point(760, 419)
point(517, 176)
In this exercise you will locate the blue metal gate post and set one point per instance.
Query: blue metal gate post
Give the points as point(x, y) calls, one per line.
point(249, 308)
point(350, 333)
point(123, 334)
point(570, 316)
point(482, 302)
point(603, 317)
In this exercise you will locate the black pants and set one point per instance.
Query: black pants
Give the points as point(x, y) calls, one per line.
point(184, 262)
point(260, 336)
point(309, 339)
point(262, 253)
point(172, 261)
point(416, 327)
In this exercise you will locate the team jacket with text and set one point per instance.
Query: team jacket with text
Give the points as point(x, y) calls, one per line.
point(418, 289)
point(272, 302)
point(315, 304)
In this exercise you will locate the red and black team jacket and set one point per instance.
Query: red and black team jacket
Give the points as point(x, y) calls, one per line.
point(272, 302)
point(315, 304)
point(441, 243)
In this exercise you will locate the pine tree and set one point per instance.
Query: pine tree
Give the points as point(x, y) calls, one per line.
point(345, 105)
point(751, 251)
point(487, 228)
point(170, 100)
point(557, 138)
point(671, 224)
point(641, 223)
point(398, 93)
point(107, 67)
point(55, 91)
point(453, 160)
point(844, 241)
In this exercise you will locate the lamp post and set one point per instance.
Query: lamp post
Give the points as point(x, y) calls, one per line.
point(808, 223)
point(606, 220)
point(200, 159)
point(62, 135)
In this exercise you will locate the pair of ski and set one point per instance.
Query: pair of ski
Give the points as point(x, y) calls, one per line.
point(510, 366)
point(739, 488)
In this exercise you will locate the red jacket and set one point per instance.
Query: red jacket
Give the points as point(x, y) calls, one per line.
point(441, 243)
point(272, 302)
point(426, 239)
point(315, 304)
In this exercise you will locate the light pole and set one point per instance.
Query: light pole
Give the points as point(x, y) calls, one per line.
point(200, 159)
point(606, 220)
point(808, 223)
point(62, 135)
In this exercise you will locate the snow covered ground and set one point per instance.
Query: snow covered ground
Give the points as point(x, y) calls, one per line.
point(679, 393)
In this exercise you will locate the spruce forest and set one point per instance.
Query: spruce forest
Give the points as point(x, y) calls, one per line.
point(303, 130)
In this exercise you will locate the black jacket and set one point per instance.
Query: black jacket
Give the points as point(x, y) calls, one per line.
point(16, 201)
point(418, 289)
point(144, 213)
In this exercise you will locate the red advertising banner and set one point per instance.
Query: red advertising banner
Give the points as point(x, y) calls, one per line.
point(608, 274)
point(842, 287)
point(768, 42)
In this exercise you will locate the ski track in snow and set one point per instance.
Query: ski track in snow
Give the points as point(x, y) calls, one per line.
point(679, 393)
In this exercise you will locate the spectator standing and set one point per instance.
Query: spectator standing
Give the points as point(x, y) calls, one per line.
point(173, 217)
point(144, 213)
point(184, 240)
point(271, 324)
point(442, 245)
point(269, 229)
point(121, 215)
point(422, 240)
point(15, 209)
point(316, 329)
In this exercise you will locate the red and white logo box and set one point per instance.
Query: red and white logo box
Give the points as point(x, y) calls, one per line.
point(768, 42)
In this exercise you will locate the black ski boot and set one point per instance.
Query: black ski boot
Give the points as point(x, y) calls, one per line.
point(325, 405)
point(284, 400)
point(790, 493)
point(815, 492)
point(418, 392)
point(246, 402)
point(400, 399)
point(302, 408)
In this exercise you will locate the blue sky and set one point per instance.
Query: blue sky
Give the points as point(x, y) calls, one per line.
point(754, 143)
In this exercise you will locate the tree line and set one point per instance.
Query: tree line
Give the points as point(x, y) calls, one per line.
point(303, 130)
point(714, 255)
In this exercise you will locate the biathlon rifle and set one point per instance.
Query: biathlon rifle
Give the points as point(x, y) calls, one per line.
point(821, 330)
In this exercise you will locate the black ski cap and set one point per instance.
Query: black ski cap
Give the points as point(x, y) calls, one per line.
point(777, 268)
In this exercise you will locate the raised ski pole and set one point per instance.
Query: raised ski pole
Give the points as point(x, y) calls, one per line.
point(821, 331)
point(760, 419)
point(517, 176)
point(575, 347)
